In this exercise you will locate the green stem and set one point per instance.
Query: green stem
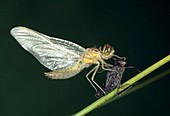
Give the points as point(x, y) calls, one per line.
point(125, 85)
point(139, 86)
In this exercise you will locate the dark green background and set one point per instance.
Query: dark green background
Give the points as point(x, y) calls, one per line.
point(136, 29)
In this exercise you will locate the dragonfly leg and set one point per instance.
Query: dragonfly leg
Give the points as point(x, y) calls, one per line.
point(104, 63)
point(87, 76)
point(115, 57)
point(92, 78)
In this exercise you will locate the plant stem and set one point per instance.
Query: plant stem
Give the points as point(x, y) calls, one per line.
point(128, 83)
point(139, 86)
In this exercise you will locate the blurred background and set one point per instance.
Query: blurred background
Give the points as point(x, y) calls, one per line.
point(137, 30)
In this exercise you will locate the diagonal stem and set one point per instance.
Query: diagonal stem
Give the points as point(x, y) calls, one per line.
point(131, 81)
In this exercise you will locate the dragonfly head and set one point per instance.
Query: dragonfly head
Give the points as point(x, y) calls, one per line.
point(107, 52)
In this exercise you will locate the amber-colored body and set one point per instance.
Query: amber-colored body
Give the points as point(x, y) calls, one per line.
point(90, 56)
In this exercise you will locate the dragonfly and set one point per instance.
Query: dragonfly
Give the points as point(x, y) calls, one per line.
point(113, 78)
point(64, 58)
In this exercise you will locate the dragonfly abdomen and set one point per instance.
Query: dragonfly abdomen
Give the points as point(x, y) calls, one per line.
point(66, 72)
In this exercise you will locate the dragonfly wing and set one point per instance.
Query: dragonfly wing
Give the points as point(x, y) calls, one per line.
point(53, 53)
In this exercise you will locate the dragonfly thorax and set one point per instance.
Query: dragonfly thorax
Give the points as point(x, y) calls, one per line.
point(91, 56)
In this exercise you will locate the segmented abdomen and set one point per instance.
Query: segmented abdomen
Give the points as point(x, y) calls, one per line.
point(67, 72)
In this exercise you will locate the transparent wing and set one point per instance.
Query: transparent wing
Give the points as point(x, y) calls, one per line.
point(53, 53)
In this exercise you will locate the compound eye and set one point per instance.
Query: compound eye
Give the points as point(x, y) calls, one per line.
point(107, 48)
